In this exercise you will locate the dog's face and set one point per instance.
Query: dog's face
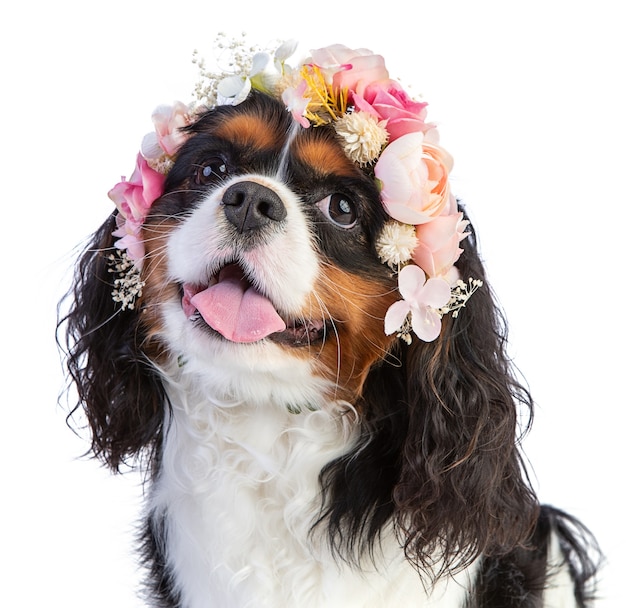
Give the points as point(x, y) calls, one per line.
point(261, 256)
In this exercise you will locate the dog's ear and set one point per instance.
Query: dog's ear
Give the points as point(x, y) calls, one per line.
point(462, 477)
point(121, 394)
point(438, 453)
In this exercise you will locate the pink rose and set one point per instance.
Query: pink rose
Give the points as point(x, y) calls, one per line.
point(349, 69)
point(438, 243)
point(388, 101)
point(413, 176)
point(134, 197)
point(168, 137)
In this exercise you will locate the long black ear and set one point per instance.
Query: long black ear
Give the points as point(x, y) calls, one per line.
point(117, 387)
point(438, 454)
point(463, 482)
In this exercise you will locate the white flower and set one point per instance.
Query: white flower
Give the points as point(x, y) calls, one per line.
point(232, 90)
point(421, 299)
point(363, 136)
point(283, 52)
point(396, 243)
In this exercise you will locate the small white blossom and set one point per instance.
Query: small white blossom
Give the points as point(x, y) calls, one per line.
point(283, 52)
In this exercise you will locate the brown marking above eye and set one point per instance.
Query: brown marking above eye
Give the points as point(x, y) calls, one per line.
point(324, 156)
point(248, 130)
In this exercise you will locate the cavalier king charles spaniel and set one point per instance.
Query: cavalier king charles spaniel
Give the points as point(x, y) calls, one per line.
point(300, 449)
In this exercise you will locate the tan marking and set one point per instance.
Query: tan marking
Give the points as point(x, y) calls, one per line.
point(357, 338)
point(248, 130)
point(324, 157)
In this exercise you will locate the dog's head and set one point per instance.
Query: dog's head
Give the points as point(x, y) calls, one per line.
point(263, 264)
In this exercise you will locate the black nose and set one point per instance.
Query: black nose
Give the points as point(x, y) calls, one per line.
point(249, 206)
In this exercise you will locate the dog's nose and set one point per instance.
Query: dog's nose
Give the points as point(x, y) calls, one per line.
point(250, 205)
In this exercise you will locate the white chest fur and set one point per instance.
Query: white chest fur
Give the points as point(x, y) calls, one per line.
point(239, 489)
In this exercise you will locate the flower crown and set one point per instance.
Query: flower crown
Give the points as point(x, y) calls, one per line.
point(382, 129)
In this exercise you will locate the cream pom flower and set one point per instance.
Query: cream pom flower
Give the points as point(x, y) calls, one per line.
point(363, 136)
point(396, 243)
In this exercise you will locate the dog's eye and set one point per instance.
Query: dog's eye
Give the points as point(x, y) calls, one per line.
point(212, 171)
point(339, 209)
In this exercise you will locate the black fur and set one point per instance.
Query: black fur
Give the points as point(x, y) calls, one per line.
point(517, 579)
point(159, 586)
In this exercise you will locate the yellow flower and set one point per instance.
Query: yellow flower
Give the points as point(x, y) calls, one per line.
point(325, 103)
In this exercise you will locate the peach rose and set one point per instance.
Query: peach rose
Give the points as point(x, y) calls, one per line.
point(413, 177)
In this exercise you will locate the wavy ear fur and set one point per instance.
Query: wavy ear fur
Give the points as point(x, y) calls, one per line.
point(438, 454)
point(518, 579)
point(121, 394)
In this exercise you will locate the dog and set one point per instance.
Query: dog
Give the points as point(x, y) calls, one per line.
point(326, 417)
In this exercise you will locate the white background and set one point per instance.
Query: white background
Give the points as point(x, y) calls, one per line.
point(530, 101)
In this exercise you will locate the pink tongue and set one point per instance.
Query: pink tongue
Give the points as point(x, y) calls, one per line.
point(236, 309)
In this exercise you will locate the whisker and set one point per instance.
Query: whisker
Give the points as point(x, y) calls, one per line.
point(324, 310)
point(344, 292)
point(348, 291)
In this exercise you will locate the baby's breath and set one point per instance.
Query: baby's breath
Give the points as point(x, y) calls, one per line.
point(405, 332)
point(128, 286)
point(235, 57)
point(461, 293)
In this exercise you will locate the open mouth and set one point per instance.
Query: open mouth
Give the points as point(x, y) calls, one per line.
point(233, 307)
point(301, 333)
